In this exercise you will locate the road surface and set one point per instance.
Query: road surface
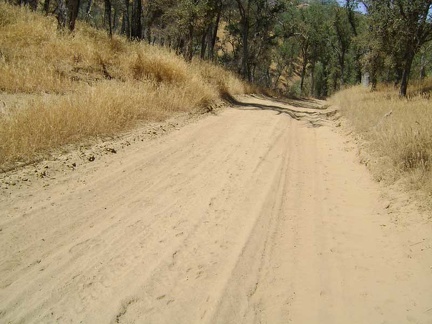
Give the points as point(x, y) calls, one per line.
point(258, 214)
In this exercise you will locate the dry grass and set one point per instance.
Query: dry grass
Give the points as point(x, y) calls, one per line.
point(74, 86)
point(397, 131)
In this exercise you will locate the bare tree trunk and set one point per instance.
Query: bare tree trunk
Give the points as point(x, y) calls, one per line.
point(107, 17)
point(278, 76)
point(374, 81)
point(73, 7)
point(406, 74)
point(33, 4)
point(204, 41)
point(125, 21)
point(342, 67)
point(88, 10)
point(423, 67)
point(312, 88)
point(189, 43)
point(214, 35)
point(303, 74)
point(245, 61)
point(149, 33)
point(46, 6)
point(136, 25)
point(304, 64)
point(115, 19)
point(244, 23)
point(61, 14)
point(203, 45)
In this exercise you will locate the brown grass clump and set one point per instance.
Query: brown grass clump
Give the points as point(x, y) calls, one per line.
point(397, 131)
point(69, 87)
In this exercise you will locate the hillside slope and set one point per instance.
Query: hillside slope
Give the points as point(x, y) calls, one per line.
point(60, 88)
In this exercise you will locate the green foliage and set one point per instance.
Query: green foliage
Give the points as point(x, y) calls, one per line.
point(320, 46)
point(398, 31)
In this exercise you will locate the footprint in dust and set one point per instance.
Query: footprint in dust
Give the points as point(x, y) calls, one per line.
point(199, 274)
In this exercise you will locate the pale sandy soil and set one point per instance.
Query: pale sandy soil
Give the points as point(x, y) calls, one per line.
point(249, 216)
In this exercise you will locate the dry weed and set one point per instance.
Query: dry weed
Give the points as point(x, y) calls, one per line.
point(397, 131)
point(85, 84)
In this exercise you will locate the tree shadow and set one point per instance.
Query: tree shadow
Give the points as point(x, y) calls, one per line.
point(295, 114)
point(305, 103)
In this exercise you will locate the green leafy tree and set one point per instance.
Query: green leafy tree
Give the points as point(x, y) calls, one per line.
point(402, 27)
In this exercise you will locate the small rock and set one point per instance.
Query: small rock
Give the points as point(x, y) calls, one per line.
point(386, 204)
point(111, 150)
point(91, 158)
point(74, 165)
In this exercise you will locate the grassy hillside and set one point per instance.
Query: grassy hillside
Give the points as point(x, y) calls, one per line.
point(59, 88)
point(397, 131)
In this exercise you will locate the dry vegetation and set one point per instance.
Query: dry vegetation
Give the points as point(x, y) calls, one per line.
point(70, 87)
point(397, 132)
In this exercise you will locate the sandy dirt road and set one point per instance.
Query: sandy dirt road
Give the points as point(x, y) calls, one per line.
point(259, 214)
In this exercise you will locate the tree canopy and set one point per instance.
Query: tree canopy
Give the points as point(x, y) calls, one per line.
point(312, 47)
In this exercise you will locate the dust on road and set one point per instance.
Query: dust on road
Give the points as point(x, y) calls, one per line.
point(259, 214)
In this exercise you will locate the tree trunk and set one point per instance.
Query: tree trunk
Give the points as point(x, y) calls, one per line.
point(115, 20)
point(304, 52)
point(107, 17)
point(149, 33)
point(46, 7)
point(88, 10)
point(61, 14)
point(33, 4)
point(406, 74)
point(214, 35)
point(204, 43)
point(245, 60)
point(73, 7)
point(422, 67)
point(125, 21)
point(136, 28)
point(342, 67)
point(244, 25)
point(373, 81)
point(188, 53)
point(312, 89)
point(303, 74)
point(278, 76)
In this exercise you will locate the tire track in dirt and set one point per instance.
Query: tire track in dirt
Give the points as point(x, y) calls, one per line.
point(245, 217)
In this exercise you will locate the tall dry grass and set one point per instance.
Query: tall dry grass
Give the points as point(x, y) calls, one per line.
point(74, 86)
point(397, 131)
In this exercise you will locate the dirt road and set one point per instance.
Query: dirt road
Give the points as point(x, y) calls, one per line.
point(259, 214)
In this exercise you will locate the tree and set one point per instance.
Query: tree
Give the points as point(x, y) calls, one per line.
point(136, 22)
point(257, 19)
point(402, 27)
point(67, 13)
point(343, 34)
point(107, 17)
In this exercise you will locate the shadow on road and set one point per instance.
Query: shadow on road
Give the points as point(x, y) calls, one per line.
point(295, 114)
